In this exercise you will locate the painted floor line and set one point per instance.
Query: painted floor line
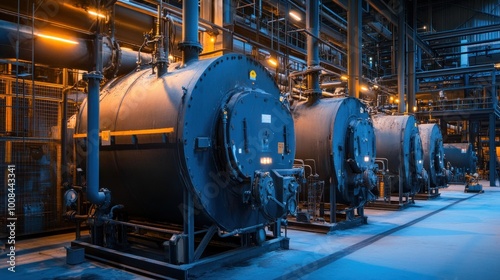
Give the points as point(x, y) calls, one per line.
point(315, 265)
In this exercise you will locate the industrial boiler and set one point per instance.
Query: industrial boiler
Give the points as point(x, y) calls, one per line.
point(399, 149)
point(432, 144)
point(461, 159)
point(337, 136)
point(204, 145)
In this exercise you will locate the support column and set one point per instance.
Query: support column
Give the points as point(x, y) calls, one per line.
point(401, 58)
point(188, 215)
point(492, 128)
point(354, 51)
point(492, 149)
point(411, 61)
point(8, 120)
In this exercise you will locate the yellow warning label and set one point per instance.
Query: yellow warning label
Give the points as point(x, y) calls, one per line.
point(253, 75)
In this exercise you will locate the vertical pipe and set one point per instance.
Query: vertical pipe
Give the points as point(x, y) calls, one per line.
point(161, 55)
point(190, 45)
point(188, 214)
point(354, 46)
point(93, 193)
point(94, 78)
point(312, 26)
point(401, 56)
point(34, 119)
point(492, 128)
point(64, 128)
point(411, 60)
point(227, 23)
point(492, 149)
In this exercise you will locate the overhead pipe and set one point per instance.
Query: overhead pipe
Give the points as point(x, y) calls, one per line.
point(313, 68)
point(76, 55)
point(190, 46)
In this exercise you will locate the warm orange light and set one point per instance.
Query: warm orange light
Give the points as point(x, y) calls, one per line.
point(96, 14)
point(344, 77)
point(295, 15)
point(58, 39)
point(272, 61)
point(364, 88)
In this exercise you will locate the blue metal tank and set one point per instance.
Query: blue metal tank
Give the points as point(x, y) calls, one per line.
point(217, 128)
point(338, 134)
point(432, 144)
point(461, 159)
point(398, 142)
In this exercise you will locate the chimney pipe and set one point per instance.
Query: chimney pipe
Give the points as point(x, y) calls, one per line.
point(313, 68)
point(190, 45)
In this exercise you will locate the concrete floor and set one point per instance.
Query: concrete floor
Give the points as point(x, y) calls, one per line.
point(455, 236)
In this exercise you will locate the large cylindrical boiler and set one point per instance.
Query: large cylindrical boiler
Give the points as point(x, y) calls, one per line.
point(217, 128)
point(461, 157)
point(398, 141)
point(432, 144)
point(338, 134)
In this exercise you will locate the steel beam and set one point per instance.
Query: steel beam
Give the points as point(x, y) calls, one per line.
point(460, 32)
point(455, 71)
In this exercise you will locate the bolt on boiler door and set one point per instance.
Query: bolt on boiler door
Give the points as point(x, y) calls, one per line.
point(259, 131)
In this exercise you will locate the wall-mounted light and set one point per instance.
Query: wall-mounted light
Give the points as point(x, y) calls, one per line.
point(57, 39)
point(272, 61)
point(295, 15)
point(344, 77)
point(414, 108)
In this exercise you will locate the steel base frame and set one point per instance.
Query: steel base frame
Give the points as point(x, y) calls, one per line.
point(164, 270)
point(326, 227)
point(431, 193)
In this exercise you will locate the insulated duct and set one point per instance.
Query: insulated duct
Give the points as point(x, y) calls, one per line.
point(75, 53)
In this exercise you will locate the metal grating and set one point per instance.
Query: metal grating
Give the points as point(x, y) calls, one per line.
point(32, 146)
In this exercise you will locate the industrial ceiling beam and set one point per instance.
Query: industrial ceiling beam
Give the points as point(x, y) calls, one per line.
point(460, 32)
point(391, 16)
point(455, 71)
